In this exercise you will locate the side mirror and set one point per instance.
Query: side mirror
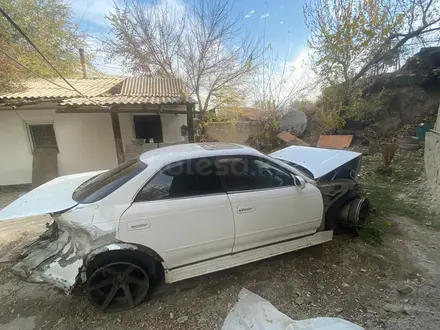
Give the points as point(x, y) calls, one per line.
point(299, 181)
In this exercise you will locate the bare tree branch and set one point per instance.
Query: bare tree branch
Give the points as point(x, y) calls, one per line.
point(196, 42)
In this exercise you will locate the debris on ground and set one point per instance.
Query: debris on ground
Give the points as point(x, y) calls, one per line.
point(253, 312)
point(291, 139)
point(334, 141)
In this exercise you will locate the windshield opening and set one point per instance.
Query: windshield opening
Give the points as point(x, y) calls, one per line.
point(105, 183)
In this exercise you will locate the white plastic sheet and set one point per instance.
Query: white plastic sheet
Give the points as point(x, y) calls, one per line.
point(253, 312)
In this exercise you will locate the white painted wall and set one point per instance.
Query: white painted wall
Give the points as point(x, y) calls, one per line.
point(127, 128)
point(15, 153)
point(85, 143)
point(171, 124)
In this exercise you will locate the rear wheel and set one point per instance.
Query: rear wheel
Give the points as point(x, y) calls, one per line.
point(118, 286)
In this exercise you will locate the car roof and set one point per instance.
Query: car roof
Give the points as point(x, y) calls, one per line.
point(178, 152)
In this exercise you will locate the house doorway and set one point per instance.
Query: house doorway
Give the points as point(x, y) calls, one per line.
point(148, 127)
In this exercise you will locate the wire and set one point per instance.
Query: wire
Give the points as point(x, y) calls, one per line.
point(38, 51)
point(33, 72)
point(44, 57)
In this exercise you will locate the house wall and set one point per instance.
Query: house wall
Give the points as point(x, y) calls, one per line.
point(15, 152)
point(85, 143)
point(171, 124)
point(127, 128)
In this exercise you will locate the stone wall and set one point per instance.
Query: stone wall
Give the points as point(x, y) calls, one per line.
point(235, 132)
point(432, 161)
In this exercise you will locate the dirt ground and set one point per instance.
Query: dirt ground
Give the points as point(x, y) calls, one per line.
point(394, 286)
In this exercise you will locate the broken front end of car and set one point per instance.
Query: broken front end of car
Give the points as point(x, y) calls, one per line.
point(335, 173)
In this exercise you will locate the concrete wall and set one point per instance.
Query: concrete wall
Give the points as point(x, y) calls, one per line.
point(15, 151)
point(171, 124)
point(235, 132)
point(432, 161)
point(85, 141)
point(127, 128)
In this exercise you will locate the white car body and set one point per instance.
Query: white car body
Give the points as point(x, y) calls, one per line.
point(189, 236)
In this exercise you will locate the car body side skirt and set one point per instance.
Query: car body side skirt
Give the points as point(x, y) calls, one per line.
point(248, 256)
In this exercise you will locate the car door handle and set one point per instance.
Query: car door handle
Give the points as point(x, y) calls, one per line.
point(245, 209)
point(138, 225)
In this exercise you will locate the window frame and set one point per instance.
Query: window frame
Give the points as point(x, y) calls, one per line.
point(135, 199)
point(264, 160)
point(31, 139)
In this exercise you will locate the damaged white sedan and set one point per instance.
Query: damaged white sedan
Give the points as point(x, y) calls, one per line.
point(184, 211)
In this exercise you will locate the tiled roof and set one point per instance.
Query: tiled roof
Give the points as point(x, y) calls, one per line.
point(133, 90)
point(139, 90)
point(41, 89)
point(148, 86)
point(122, 99)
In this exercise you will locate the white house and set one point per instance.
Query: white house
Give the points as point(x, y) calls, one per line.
point(92, 131)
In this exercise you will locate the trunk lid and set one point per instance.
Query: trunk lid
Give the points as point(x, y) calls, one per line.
point(53, 196)
point(323, 164)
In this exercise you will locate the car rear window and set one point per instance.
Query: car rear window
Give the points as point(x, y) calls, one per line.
point(105, 183)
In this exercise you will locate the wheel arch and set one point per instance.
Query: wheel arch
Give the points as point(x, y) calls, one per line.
point(146, 256)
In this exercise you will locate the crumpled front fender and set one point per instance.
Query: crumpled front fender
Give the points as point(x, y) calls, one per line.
point(53, 258)
point(60, 254)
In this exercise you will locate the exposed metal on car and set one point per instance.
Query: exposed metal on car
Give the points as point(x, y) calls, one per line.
point(321, 162)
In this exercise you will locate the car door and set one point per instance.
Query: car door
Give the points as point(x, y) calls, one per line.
point(267, 205)
point(183, 213)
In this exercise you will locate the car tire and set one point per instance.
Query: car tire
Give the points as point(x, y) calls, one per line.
point(408, 142)
point(120, 280)
point(410, 146)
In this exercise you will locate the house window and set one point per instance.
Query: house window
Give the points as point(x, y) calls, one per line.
point(42, 136)
point(148, 127)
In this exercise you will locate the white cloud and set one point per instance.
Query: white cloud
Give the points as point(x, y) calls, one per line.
point(265, 15)
point(281, 23)
point(92, 12)
point(303, 74)
point(248, 15)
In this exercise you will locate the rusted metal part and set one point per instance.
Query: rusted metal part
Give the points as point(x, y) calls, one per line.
point(291, 139)
point(355, 213)
point(334, 141)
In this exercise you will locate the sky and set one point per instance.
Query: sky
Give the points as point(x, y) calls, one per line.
point(279, 22)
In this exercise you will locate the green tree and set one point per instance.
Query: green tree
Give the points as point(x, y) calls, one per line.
point(49, 24)
point(349, 38)
point(354, 39)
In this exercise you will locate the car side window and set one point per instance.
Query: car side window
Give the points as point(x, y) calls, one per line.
point(195, 177)
point(249, 173)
